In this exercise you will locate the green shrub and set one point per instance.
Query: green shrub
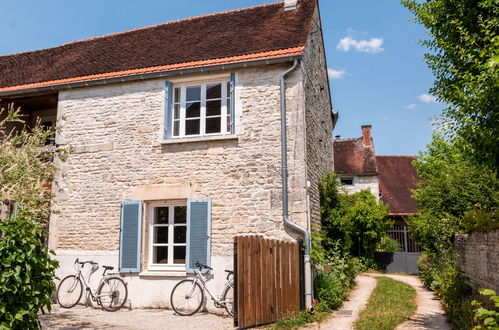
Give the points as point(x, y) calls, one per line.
point(487, 318)
point(26, 273)
point(388, 244)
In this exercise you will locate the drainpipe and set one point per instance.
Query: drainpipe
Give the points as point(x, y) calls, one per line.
point(284, 174)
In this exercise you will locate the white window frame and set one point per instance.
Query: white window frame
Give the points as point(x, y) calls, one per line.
point(225, 112)
point(150, 232)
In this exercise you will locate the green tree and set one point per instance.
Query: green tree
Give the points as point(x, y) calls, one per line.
point(357, 221)
point(464, 57)
point(453, 194)
point(26, 268)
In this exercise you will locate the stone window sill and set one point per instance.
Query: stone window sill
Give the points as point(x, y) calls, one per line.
point(163, 273)
point(200, 139)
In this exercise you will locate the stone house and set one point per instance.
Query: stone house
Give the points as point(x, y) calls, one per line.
point(390, 179)
point(176, 138)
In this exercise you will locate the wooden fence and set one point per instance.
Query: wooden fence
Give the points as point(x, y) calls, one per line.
point(267, 280)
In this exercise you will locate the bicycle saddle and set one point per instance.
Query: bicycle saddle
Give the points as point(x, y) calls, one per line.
point(108, 267)
point(229, 271)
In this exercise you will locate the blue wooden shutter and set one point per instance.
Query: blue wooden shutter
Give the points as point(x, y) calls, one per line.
point(198, 232)
point(232, 102)
point(168, 110)
point(130, 234)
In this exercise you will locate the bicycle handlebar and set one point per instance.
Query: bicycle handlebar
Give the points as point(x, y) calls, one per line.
point(77, 261)
point(201, 266)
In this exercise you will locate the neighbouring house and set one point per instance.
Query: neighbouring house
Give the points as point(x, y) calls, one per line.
point(176, 138)
point(390, 179)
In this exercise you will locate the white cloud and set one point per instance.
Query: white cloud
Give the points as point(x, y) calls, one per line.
point(427, 98)
point(410, 106)
point(336, 74)
point(371, 46)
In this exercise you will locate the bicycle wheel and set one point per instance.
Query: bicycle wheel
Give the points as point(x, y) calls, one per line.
point(187, 297)
point(69, 291)
point(112, 293)
point(228, 299)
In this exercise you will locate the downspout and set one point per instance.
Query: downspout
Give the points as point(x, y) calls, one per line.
point(284, 174)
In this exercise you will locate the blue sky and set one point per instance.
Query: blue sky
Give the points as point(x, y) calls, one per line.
point(377, 69)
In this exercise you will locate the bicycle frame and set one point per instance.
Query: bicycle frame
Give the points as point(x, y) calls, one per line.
point(93, 293)
point(216, 298)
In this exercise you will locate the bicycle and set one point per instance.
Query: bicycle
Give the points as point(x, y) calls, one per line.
point(188, 295)
point(111, 293)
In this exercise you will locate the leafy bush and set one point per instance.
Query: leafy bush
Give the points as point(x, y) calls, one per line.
point(388, 244)
point(487, 318)
point(334, 280)
point(27, 271)
point(440, 272)
point(358, 221)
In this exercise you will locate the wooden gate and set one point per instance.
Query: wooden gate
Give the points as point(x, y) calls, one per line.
point(267, 280)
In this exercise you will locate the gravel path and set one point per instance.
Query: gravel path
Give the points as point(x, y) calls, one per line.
point(80, 317)
point(429, 313)
point(345, 317)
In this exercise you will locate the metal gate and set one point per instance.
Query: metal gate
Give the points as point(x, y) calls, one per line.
point(405, 261)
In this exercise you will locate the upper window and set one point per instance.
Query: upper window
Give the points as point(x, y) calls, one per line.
point(201, 109)
point(346, 181)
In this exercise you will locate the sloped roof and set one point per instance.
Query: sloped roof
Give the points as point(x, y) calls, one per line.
point(396, 179)
point(352, 156)
point(261, 32)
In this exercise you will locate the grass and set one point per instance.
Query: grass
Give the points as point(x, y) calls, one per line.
point(301, 319)
point(391, 303)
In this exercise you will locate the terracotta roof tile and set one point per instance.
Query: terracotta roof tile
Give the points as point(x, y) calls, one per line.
point(352, 156)
point(266, 30)
point(396, 179)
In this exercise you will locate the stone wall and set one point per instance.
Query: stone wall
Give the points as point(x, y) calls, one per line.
point(479, 258)
point(365, 182)
point(115, 133)
point(318, 117)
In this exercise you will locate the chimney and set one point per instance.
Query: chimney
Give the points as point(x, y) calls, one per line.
point(290, 4)
point(366, 135)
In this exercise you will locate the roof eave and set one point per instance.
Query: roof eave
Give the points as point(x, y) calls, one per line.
point(152, 75)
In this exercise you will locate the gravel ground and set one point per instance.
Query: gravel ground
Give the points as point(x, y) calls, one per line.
point(81, 317)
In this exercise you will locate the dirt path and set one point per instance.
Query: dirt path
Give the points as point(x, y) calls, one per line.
point(345, 317)
point(429, 313)
point(81, 317)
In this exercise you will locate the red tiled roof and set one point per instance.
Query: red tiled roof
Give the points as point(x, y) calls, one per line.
point(396, 179)
point(261, 32)
point(351, 156)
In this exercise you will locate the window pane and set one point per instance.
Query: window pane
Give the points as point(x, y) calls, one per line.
point(160, 235)
point(180, 214)
point(176, 128)
point(160, 255)
point(176, 111)
point(179, 234)
point(179, 255)
point(193, 93)
point(213, 108)
point(228, 113)
point(192, 127)
point(177, 95)
point(161, 214)
point(192, 110)
point(213, 125)
point(214, 91)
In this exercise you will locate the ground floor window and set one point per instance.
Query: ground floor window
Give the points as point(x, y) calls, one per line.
point(167, 235)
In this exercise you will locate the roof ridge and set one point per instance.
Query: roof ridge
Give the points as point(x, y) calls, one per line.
point(180, 20)
point(349, 139)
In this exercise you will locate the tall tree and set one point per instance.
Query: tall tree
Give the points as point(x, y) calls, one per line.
point(464, 57)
